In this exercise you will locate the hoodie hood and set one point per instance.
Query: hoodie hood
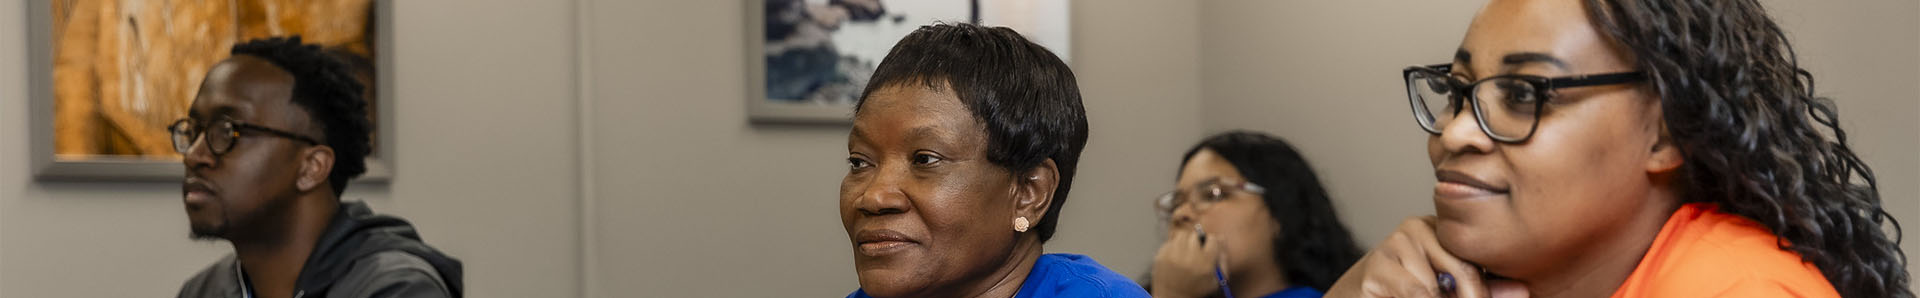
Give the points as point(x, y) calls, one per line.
point(356, 232)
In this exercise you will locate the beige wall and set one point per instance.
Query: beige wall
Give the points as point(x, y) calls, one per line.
point(511, 112)
point(1325, 75)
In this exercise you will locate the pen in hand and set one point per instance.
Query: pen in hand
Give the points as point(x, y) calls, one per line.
point(1218, 275)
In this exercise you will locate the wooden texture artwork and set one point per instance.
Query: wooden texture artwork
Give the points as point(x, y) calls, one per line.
point(125, 69)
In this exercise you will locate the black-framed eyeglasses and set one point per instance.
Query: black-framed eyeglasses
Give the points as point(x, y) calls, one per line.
point(1519, 99)
point(221, 134)
point(1203, 196)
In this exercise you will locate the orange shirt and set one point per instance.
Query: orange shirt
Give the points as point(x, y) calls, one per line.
point(1703, 252)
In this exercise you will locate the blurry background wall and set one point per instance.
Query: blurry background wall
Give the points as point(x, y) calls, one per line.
point(564, 148)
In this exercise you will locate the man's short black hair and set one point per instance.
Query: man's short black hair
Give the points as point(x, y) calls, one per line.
point(327, 89)
point(1026, 97)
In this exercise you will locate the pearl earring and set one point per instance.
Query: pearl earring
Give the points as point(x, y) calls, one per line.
point(1020, 224)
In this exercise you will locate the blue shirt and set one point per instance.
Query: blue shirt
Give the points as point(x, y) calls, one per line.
point(1068, 275)
point(1296, 292)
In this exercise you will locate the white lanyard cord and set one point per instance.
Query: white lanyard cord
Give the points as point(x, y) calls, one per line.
point(240, 276)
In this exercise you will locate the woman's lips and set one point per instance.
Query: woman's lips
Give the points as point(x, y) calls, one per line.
point(879, 242)
point(1458, 185)
point(1451, 190)
point(875, 249)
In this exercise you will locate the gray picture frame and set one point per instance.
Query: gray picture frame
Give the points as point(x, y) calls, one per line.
point(759, 108)
point(1046, 22)
point(47, 166)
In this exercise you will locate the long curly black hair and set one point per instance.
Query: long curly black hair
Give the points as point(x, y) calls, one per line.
point(1314, 248)
point(1749, 127)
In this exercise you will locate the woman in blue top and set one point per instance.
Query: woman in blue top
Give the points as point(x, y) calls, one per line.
point(1249, 211)
point(963, 149)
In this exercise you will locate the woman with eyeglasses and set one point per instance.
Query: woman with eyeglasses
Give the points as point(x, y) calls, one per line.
point(1633, 148)
point(1248, 219)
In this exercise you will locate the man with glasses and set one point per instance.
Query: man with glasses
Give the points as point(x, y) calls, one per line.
point(272, 139)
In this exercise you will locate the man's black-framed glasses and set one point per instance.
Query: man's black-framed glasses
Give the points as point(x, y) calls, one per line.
point(221, 134)
point(1517, 99)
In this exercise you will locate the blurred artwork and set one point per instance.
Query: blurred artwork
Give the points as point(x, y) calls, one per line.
point(821, 52)
point(125, 69)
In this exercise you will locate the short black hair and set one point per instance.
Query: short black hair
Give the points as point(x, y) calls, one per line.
point(327, 89)
point(1026, 97)
point(1313, 247)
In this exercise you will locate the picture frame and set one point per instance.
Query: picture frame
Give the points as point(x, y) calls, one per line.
point(808, 60)
point(48, 165)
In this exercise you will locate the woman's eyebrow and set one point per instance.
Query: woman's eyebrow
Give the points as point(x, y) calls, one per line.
point(1210, 180)
point(859, 133)
point(923, 134)
point(1522, 58)
point(1515, 59)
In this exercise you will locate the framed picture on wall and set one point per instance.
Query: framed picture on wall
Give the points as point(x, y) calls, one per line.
point(108, 77)
point(808, 60)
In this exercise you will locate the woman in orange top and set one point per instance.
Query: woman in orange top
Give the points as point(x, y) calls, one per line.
point(1633, 148)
